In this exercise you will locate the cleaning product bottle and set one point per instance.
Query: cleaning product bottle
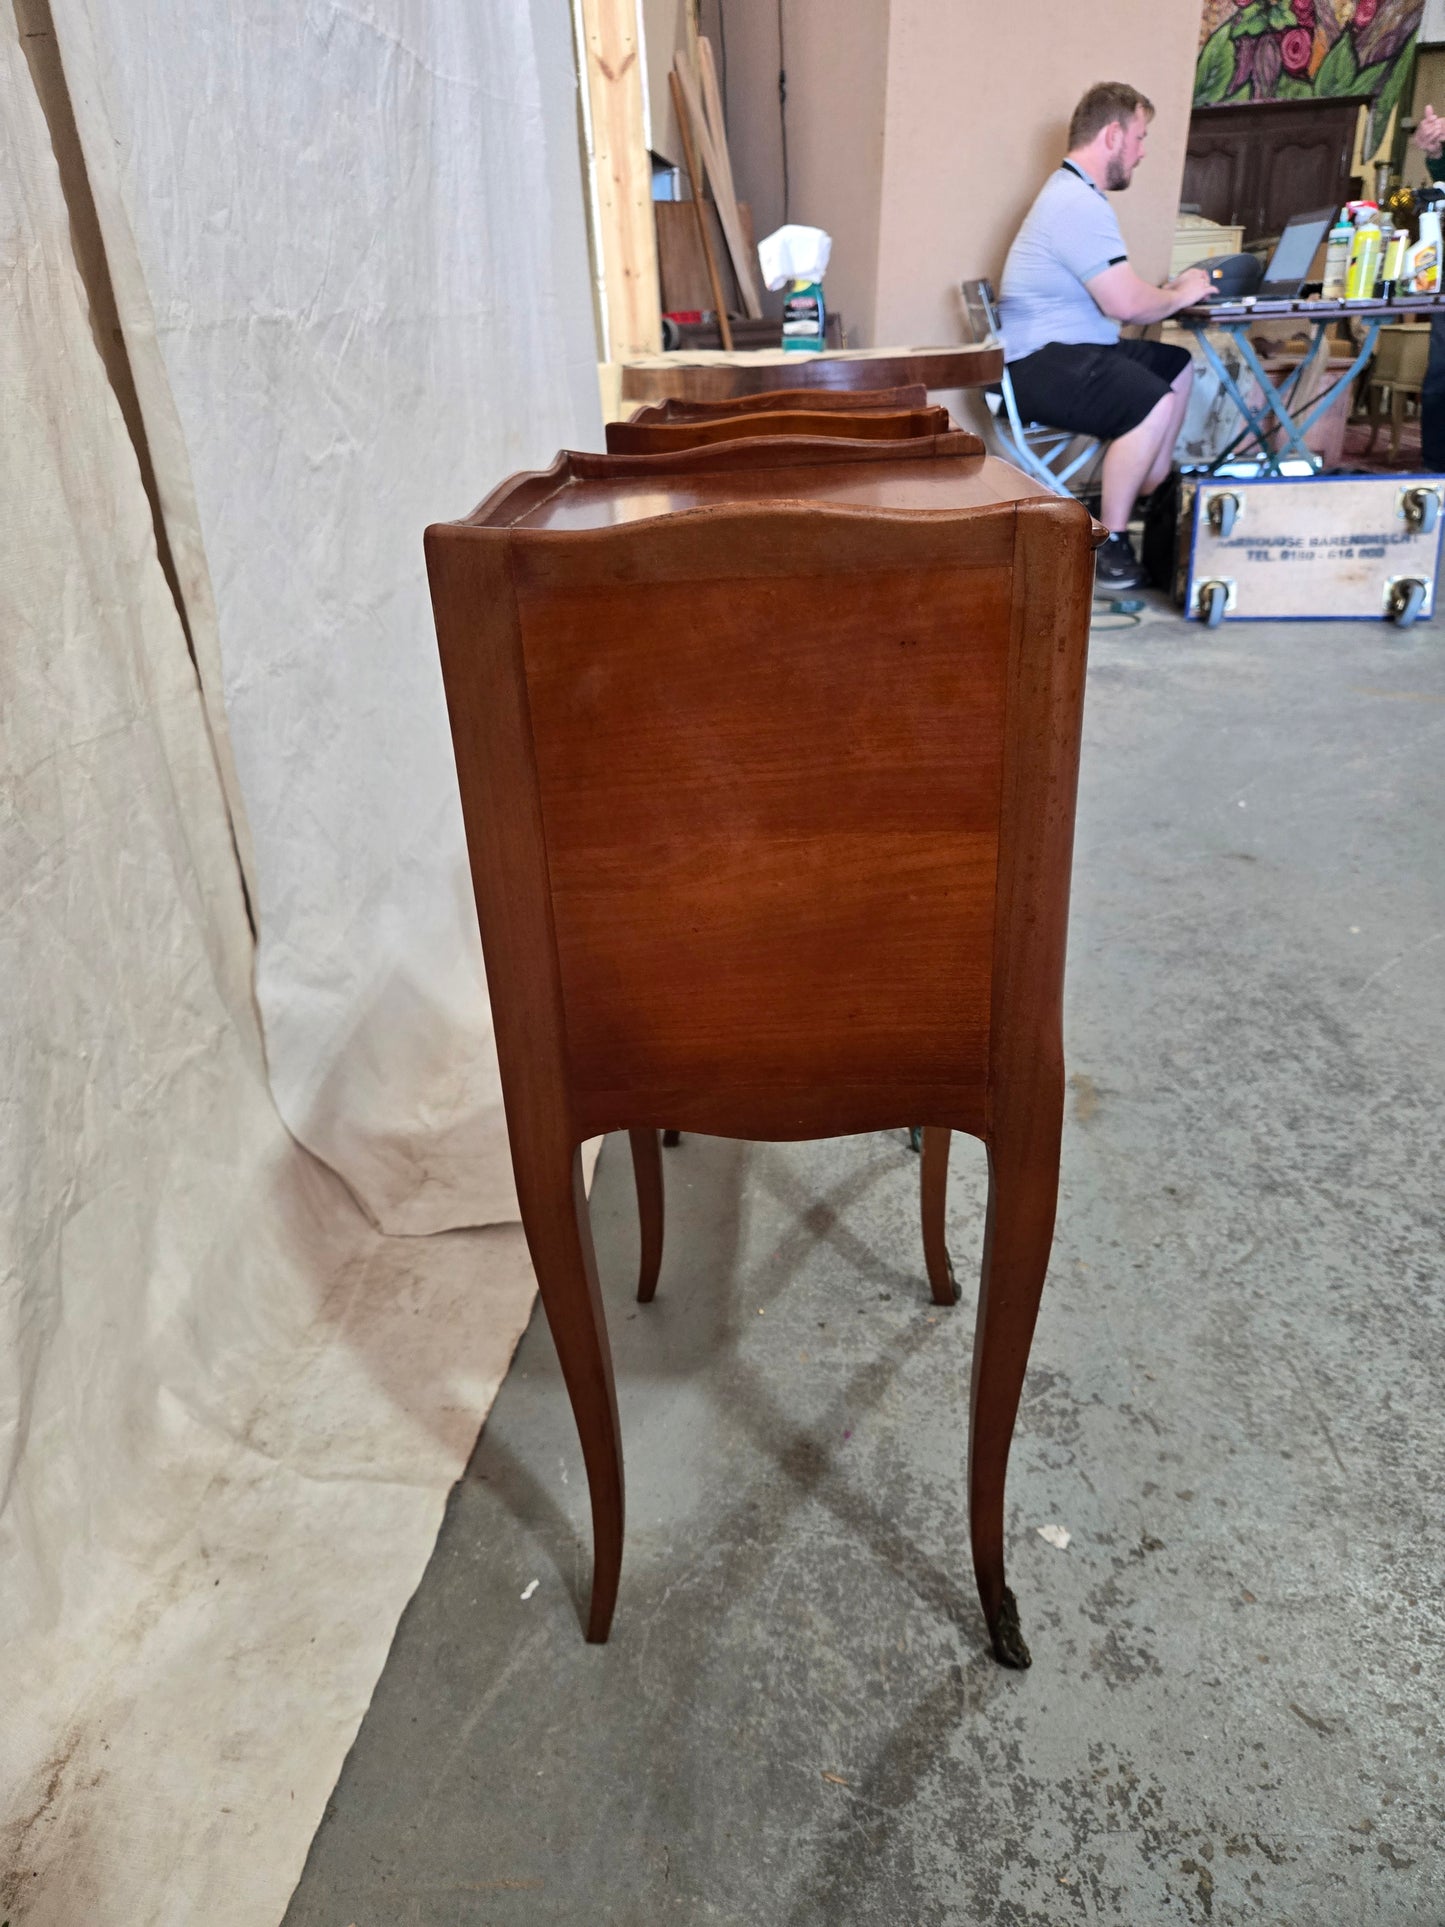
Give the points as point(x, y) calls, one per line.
point(1422, 263)
point(1387, 236)
point(1393, 261)
point(1364, 254)
point(803, 317)
point(1337, 259)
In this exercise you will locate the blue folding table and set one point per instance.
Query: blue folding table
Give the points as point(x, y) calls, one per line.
point(1236, 318)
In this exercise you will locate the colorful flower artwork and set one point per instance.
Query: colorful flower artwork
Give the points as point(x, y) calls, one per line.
point(1305, 50)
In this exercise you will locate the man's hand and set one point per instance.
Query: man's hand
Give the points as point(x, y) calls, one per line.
point(1195, 285)
point(1429, 136)
point(1122, 296)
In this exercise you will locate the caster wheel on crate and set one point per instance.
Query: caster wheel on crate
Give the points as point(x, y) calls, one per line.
point(1407, 598)
point(1223, 514)
point(1213, 601)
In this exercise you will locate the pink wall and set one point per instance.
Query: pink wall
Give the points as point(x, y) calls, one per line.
point(920, 130)
point(837, 55)
point(979, 97)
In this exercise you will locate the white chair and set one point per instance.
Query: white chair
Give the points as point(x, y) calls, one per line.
point(1040, 451)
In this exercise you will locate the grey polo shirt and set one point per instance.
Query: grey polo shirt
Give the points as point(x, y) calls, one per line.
point(1068, 235)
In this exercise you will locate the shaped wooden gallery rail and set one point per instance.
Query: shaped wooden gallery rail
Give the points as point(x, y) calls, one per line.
point(770, 878)
point(708, 375)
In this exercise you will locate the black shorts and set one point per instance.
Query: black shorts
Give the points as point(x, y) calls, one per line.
point(1094, 388)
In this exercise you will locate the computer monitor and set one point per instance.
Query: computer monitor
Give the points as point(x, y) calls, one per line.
point(1293, 255)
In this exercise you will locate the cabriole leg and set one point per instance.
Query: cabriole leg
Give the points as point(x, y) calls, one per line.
point(647, 1172)
point(933, 1198)
point(1023, 1184)
point(559, 1237)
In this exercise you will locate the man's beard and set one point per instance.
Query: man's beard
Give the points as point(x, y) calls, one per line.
point(1116, 175)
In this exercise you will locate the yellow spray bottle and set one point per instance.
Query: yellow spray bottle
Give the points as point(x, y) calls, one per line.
point(1364, 254)
point(1422, 263)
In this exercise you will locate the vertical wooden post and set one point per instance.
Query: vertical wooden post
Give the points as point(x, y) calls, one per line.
point(625, 240)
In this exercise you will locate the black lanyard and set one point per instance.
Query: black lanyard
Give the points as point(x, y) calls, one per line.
point(1079, 175)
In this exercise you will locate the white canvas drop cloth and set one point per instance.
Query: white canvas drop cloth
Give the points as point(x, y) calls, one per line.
point(351, 266)
point(230, 1409)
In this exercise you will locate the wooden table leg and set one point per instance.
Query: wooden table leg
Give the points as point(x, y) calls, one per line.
point(933, 1198)
point(1023, 1182)
point(1372, 406)
point(559, 1236)
point(647, 1174)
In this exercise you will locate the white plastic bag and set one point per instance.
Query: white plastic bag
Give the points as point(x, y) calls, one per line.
point(794, 254)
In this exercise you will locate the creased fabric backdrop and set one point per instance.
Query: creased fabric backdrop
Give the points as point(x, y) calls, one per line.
point(230, 1408)
point(350, 257)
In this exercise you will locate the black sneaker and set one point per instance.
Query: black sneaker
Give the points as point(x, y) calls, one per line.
point(1117, 567)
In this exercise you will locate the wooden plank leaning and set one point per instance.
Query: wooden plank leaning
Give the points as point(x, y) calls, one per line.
point(727, 210)
point(717, 128)
point(694, 176)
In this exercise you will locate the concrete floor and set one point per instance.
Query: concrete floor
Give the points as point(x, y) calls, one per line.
point(1234, 1408)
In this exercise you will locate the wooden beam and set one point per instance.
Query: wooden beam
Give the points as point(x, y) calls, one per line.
point(624, 238)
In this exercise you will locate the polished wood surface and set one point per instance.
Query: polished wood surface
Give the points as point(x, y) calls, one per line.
point(869, 425)
point(770, 813)
point(585, 491)
point(720, 377)
point(853, 400)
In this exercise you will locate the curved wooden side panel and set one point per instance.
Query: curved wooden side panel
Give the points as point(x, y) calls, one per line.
point(722, 378)
point(879, 425)
point(753, 452)
point(856, 401)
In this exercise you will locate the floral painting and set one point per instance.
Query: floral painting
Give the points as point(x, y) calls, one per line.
point(1306, 49)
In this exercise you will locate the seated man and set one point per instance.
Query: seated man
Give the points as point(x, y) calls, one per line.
point(1066, 287)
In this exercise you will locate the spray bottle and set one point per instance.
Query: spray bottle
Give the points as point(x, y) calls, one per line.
point(1364, 253)
point(1337, 258)
point(803, 317)
point(1392, 265)
point(796, 258)
point(1422, 263)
